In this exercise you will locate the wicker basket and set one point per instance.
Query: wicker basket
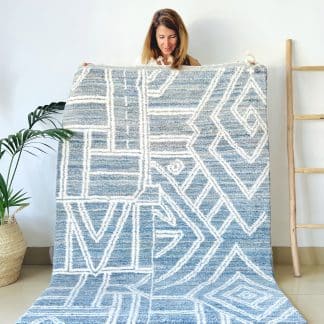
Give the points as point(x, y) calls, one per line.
point(12, 252)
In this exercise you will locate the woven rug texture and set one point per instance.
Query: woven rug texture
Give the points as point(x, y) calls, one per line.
point(163, 200)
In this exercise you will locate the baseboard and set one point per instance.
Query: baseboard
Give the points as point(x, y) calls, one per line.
point(37, 255)
point(281, 255)
point(307, 255)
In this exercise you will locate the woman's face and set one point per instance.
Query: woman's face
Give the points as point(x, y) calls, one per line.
point(166, 39)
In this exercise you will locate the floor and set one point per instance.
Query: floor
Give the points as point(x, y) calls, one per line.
point(306, 293)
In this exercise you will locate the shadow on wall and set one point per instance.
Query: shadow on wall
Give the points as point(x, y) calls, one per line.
point(6, 98)
point(212, 40)
point(217, 40)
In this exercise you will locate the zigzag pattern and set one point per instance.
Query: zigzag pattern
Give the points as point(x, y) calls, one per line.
point(163, 211)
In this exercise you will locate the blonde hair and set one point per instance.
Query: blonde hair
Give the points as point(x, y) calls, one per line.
point(170, 19)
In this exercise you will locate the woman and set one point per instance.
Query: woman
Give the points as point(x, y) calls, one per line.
point(166, 42)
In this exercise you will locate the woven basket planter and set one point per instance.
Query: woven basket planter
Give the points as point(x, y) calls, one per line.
point(12, 252)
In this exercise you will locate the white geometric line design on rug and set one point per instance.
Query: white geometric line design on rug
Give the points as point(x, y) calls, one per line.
point(163, 210)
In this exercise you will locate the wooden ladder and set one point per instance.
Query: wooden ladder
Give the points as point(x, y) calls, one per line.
point(292, 170)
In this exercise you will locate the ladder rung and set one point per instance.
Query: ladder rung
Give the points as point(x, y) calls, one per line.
point(310, 225)
point(309, 117)
point(308, 68)
point(309, 170)
point(291, 117)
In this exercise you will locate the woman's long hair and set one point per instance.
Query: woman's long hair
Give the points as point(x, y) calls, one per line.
point(170, 19)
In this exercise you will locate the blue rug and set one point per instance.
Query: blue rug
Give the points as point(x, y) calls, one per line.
point(163, 201)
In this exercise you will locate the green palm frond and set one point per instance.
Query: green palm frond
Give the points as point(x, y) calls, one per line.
point(4, 194)
point(15, 143)
point(10, 199)
point(31, 141)
point(17, 199)
point(1, 150)
point(45, 114)
point(59, 134)
point(2, 212)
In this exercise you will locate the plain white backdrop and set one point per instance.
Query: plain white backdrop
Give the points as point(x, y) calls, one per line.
point(43, 42)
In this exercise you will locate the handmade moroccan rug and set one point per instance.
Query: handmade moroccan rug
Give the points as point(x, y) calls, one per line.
point(163, 201)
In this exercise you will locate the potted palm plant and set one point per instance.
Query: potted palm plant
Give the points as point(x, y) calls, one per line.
point(31, 141)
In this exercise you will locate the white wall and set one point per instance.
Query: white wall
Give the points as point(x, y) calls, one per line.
point(43, 42)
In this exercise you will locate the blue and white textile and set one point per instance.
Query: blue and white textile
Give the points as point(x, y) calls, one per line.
point(163, 201)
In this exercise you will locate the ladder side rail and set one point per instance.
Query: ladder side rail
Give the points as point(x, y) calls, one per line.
point(291, 159)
